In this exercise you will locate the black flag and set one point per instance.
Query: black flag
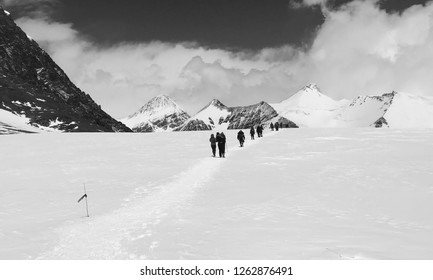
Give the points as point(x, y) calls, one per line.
point(81, 198)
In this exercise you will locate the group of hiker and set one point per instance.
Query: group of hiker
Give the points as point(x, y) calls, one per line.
point(220, 139)
point(276, 126)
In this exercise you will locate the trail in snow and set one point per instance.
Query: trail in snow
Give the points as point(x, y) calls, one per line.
point(128, 232)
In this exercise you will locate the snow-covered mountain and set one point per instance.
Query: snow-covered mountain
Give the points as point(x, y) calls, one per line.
point(394, 110)
point(161, 113)
point(35, 88)
point(311, 108)
point(218, 116)
point(363, 111)
point(408, 111)
point(212, 116)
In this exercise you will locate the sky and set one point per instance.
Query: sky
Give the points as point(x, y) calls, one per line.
point(238, 51)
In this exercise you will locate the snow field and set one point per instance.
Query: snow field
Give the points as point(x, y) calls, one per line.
point(294, 194)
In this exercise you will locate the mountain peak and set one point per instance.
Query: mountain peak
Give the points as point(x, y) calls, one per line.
point(310, 89)
point(161, 101)
point(158, 104)
point(160, 113)
point(309, 98)
point(215, 103)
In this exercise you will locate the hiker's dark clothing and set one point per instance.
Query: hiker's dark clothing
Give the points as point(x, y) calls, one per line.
point(221, 140)
point(212, 141)
point(252, 132)
point(259, 131)
point(241, 138)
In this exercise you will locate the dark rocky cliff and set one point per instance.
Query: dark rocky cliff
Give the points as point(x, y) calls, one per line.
point(33, 85)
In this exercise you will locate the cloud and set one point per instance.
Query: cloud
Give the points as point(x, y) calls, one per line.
point(362, 49)
point(359, 49)
point(123, 77)
point(297, 4)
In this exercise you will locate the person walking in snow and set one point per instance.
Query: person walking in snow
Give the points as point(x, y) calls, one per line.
point(272, 126)
point(212, 141)
point(218, 141)
point(252, 132)
point(259, 130)
point(223, 144)
point(241, 138)
point(277, 126)
point(221, 140)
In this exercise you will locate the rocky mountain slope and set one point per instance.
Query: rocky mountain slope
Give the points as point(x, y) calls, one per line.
point(34, 87)
point(247, 116)
point(210, 117)
point(161, 113)
point(218, 116)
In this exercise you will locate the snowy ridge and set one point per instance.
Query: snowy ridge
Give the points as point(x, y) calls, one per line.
point(311, 108)
point(161, 113)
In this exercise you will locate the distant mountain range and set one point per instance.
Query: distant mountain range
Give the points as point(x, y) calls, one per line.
point(35, 88)
point(309, 107)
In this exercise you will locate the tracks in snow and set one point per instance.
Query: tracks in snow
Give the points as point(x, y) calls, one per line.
point(127, 233)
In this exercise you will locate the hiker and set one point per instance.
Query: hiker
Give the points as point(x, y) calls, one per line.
point(277, 126)
point(221, 140)
point(212, 141)
point(272, 126)
point(259, 130)
point(218, 140)
point(252, 132)
point(241, 138)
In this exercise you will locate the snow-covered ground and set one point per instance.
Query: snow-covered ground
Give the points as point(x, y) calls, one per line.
point(294, 194)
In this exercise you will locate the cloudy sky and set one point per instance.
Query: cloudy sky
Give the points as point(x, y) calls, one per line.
point(239, 51)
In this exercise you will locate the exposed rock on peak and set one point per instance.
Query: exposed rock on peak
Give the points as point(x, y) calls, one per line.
point(248, 116)
point(218, 116)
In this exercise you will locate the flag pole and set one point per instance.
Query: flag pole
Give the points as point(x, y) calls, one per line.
point(87, 207)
